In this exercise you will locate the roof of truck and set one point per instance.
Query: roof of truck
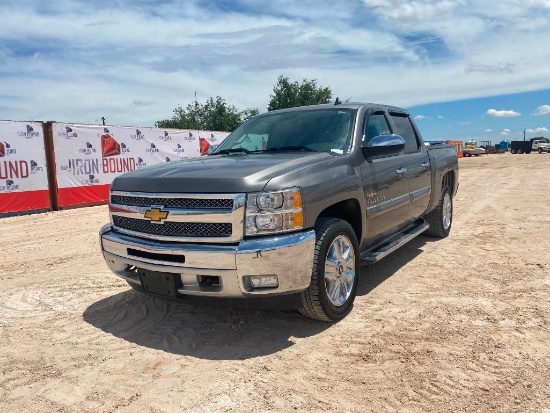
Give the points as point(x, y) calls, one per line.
point(348, 105)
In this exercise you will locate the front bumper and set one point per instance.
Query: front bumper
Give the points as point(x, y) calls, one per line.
point(289, 257)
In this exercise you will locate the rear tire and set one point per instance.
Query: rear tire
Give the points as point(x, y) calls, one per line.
point(513, 151)
point(441, 218)
point(520, 151)
point(336, 270)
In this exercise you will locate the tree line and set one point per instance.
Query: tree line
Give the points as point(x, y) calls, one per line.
point(217, 115)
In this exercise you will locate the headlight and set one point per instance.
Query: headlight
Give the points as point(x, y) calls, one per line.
point(273, 212)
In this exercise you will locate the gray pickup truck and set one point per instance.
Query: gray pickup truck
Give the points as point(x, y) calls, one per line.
point(291, 203)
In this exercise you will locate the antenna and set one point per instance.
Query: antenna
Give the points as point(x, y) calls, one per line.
point(337, 101)
point(347, 100)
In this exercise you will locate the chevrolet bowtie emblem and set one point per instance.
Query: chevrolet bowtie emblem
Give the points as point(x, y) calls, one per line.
point(156, 214)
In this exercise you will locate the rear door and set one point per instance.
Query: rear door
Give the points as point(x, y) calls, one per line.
point(417, 164)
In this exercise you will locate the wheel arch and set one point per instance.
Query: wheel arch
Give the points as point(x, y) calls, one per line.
point(449, 179)
point(348, 210)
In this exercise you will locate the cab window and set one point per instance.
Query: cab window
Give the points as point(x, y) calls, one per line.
point(404, 128)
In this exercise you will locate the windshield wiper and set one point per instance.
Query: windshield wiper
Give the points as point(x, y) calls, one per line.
point(232, 150)
point(290, 148)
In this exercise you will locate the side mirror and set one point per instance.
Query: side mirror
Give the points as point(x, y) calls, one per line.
point(384, 145)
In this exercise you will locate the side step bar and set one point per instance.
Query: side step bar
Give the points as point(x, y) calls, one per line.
point(387, 247)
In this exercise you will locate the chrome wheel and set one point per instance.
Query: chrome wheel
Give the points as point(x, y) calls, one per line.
point(447, 211)
point(339, 270)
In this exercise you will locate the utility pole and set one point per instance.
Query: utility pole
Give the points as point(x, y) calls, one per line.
point(524, 135)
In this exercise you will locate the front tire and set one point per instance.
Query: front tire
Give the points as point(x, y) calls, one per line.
point(441, 218)
point(336, 270)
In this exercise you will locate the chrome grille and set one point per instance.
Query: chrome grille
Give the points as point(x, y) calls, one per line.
point(183, 217)
point(177, 229)
point(184, 203)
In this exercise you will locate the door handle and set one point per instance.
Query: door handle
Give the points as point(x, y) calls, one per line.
point(401, 171)
point(425, 164)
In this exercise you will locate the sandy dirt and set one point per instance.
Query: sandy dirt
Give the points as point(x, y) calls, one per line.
point(460, 324)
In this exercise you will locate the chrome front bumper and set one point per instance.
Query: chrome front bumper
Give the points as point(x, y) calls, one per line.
point(290, 257)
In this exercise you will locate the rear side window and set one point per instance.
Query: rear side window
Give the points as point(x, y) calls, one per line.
point(377, 125)
point(403, 127)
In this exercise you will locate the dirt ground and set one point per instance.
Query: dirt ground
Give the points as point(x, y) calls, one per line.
point(460, 324)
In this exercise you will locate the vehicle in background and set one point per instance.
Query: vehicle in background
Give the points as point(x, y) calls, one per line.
point(533, 144)
point(471, 149)
point(502, 146)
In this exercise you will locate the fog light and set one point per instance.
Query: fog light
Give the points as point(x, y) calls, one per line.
point(263, 281)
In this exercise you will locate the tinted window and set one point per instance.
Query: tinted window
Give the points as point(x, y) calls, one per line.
point(377, 125)
point(404, 128)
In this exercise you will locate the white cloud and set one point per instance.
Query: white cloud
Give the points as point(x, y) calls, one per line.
point(537, 130)
point(502, 113)
point(542, 110)
point(488, 130)
point(440, 117)
point(133, 62)
point(505, 132)
point(420, 117)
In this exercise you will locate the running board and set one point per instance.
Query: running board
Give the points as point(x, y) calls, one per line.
point(389, 246)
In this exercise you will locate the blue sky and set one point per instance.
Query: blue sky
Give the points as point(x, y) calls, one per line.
point(465, 69)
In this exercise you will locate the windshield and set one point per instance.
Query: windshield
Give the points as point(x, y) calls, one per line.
point(319, 130)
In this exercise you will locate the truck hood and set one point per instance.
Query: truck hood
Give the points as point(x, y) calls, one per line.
point(216, 174)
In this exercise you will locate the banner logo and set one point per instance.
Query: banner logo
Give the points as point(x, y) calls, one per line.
point(124, 148)
point(91, 180)
point(138, 136)
point(140, 163)
point(165, 137)
point(109, 146)
point(68, 134)
point(29, 134)
point(10, 186)
point(152, 149)
point(35, 168)
point(6, 149)
point(178, 149)
point(89, 150)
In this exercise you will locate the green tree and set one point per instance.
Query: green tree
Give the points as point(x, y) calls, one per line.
point(215, 115)
point(287, 94)
point(542, 138)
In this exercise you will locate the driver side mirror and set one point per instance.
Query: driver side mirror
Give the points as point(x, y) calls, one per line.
point(383, 145)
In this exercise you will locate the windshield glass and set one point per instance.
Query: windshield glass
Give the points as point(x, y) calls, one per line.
point(319, 130)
